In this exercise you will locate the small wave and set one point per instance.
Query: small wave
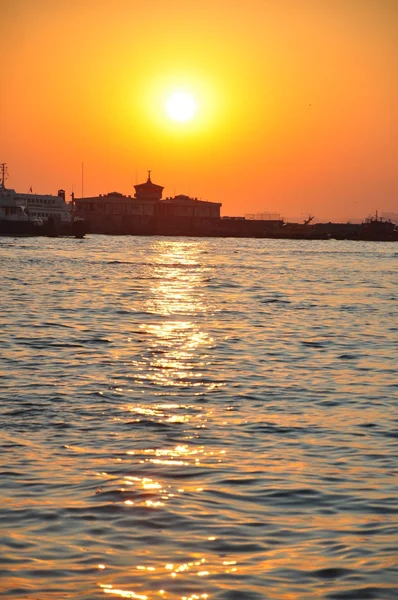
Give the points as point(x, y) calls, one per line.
point(363, 593)
point(275, 301)
point(331, 573)
point(120, 262)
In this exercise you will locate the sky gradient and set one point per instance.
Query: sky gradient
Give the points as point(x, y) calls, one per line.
point(297, 101)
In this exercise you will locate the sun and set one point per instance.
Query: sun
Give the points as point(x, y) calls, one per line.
point(181, 106)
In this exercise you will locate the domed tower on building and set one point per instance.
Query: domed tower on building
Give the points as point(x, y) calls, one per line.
point(148, 190)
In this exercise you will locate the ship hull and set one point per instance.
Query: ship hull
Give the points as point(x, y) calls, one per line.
point(20, 228)
point(77, 229)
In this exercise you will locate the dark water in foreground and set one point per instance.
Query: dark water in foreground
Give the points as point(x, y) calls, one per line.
point(198, 419)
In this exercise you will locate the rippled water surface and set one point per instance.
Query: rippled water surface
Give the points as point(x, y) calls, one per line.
point(195, 419)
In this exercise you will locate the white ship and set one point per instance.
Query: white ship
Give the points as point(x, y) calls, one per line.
point(42, 213)
point(14, 215)
point(37, 205)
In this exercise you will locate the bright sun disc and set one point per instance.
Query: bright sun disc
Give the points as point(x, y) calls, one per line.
point(181, 106)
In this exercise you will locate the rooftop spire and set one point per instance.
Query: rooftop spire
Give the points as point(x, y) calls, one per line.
point(149, 176)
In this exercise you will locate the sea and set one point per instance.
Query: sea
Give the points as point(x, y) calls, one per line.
point(198, 419)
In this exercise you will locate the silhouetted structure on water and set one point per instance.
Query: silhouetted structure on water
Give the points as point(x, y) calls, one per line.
point(146, 213)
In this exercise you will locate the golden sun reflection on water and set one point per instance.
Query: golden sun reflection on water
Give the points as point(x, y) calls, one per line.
point(178, 346)
point(108, 589)
point(178, 276)
point(172, 572)
point(172, 579)
point(176, 413)
point(123, 593)
point(151, 493)
point(174, 361)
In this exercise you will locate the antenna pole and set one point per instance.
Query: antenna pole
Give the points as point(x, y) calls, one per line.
point(3, 176)
point(82, 179)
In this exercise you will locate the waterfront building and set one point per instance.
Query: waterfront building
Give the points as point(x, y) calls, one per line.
point(146, 212)
point(148, 191)
point(182, 206)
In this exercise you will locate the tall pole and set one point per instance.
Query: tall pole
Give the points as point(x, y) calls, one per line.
point(3, 176)
point(82, 180)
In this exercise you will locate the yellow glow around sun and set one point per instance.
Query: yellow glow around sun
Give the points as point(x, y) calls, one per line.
point(181, 106)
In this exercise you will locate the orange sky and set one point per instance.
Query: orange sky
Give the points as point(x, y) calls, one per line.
point(297, 100)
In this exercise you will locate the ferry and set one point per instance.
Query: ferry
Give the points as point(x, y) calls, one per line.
point(36, 214)
point(14, 219)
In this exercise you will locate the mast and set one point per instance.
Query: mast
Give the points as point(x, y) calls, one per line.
point(3, 170)
point(73, 204)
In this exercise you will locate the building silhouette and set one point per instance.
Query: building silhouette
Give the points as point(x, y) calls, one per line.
point(146, 212)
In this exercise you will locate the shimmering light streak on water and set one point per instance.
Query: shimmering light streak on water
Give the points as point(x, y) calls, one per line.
point(198, 419)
